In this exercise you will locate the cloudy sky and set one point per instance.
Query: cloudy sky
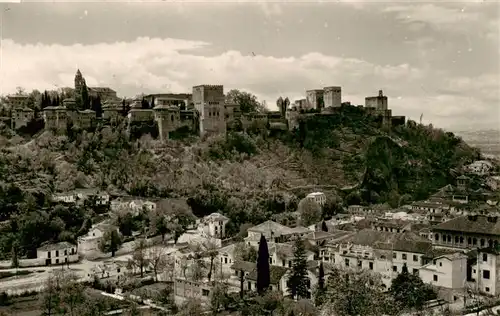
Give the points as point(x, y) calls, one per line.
point(439, 59)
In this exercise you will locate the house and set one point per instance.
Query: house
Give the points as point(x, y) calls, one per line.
point(428, 207)
point(486, 271)
point(133, 204)
point(391, 225)
point(318, 197)
point(296, 232)
point(59, 253)
point(185, 289)
point(319, 238)
point(282, 255)
point(480, 167)
point(382, 252)
point(90, 242)
point(213, 225)
point(249, 269)
point(447, 274)
point(355, 209)
point(467, 232)
point(226, 255)
point(330, 248)
point(110, 269)
point(272, 231)
point(80, 195)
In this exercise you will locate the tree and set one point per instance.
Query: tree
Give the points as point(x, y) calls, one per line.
point(356, 293)
point(248, 102)
point(72, 295)
point(158, 259)
point(244, 252)
point(139, 258)
point(299, 280)
point(324, 227)
point(218, 298)
point(160, 224)
point(263, 269)
point(310, 211)
point(410, 291)
point(51, 297)
point(319, 297)
point(85, 96)
point(210, 249)
point(111, 242)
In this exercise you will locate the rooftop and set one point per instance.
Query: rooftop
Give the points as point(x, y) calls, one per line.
point(270, 227)
point(476, 224)
point(57, 246)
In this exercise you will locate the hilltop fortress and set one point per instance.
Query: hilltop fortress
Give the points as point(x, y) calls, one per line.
point(204, 111)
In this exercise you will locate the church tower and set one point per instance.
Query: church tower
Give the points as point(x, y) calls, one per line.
point(79, 81)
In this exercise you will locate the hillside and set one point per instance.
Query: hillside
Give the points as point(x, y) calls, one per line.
point(248, 177)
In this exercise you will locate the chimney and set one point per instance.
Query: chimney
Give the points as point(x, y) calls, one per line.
point(380, 93)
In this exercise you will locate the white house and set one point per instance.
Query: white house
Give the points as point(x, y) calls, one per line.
point(80, 195)
point(486, 271)
point(318, 197)
point(448, 274)
point(90, 242)
point(480, 167)
point(213, 225)
point(282, 255)
point(272, 231)
point(59, 253)
point(133, 204)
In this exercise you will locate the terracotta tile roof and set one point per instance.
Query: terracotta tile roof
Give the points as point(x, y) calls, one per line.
point(269, 227)
point(57, 246)
point(479, 224)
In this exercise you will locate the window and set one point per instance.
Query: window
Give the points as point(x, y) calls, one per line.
point(118, 270)
point(394, 256)
point(57, 253)
point(474, 241)
point(486, 274)
point(65, 252)
point(48, 254)
point(289, 263)
point(57, 261)
point(249, 285)
point(346, 262)
point(436, 237)
point(485, 257)
point(283, 263)
point(435, 278)
point(456, 239)
point(370, 265)
point(487, 289)
point(236, 272)
point(225, 260)
point(404, 256)
point(395, 268)
point(482, 242)
point(415, 258)
point(360, 263)
point(440, 264)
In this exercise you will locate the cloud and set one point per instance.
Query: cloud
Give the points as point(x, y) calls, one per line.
point(457, 17)
point(159, 65)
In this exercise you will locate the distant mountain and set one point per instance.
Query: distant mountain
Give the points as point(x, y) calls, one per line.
point(486, 140)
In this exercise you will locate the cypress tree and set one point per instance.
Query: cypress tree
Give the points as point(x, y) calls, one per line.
point(321, 276)
point(298, 279)
point(153, 102)
point(85, 97)
point(263, 269)
point(324, 227)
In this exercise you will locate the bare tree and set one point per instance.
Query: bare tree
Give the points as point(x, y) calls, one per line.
point(158, 259)
point(139, 258)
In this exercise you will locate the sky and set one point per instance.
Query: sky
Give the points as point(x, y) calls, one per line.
point(439, 59)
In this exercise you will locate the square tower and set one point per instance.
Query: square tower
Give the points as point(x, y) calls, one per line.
point(209, 101)
point(332, 97)
point(315, 99)
point(379, 102)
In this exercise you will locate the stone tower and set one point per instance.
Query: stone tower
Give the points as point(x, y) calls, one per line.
point(168, 119)
point(209, 101)
point(79, 81)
